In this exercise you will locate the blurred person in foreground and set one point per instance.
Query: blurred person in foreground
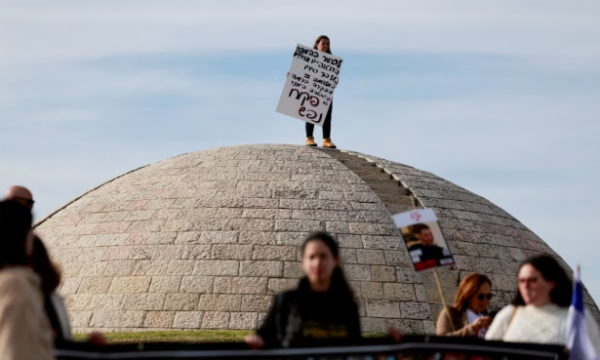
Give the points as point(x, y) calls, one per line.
point(538, 313)
point(321, 307)
point(50, 276)
point(469, 312)
point(24, 329)
point(20, 194)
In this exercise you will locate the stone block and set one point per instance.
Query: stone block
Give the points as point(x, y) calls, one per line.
point(141, 252)
point(348, 256)
point(337, 227)
point(298, 225)
point(357, 272)
point(152, 238)
point(151, 267)
point(397, 258)
point(414, 310)
point(119, 268)
point(383, 242)
point(232, 252)
point(278, 285)
point(188, 237)
point(291, 238)
point(185, 302)
point(373, 325)
point(383, 273)
point(261, 268)
point(180, 267)
point(243, 320)
point(165, 284)
point(350, 241)
point(406, 274)
point(196, 252)
point(292, 269)
point(70, 268)
point(197, 284)
point(79, 302)
point(107, 301)
point(258, 237)
point(267, 213)
point(219, 237)
point(94, 285)
point(251, 224)
point(274, 252)
point(159, 319)
point(130, 284)
point(167, 252)
point(220, 302)
point(187, 319)
point(229, 213)
point(371, 290)
point(80, 319)
point(420, 293)
point(93, 269)
point(363, 228)
point(429, 327)
point(261, 203)
point(370, 257)
point(408, 326)
point(256, 303)
point(144, 302)
point(71, 285)
point(119, 253)
point(117, 319)
point(216, 267)
point(383, 308)
point(144, 226)
point(240, 285)
point(399, 291)
point(215, 320)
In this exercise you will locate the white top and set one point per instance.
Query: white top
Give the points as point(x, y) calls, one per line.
point(543, 325)
point(471, 317)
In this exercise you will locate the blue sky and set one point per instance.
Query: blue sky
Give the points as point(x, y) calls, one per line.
point(502, 99)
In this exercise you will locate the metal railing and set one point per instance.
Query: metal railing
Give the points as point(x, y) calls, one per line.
point(412, 347)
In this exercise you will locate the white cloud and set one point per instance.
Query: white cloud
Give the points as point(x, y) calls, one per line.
point(551, 33)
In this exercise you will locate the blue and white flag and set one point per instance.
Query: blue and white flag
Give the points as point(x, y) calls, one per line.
point(578, 341)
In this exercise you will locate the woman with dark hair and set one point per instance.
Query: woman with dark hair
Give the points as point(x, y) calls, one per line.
point(538, 313)
point(321, 307)
point(322, 44)
point(24, 329)
point(470, 306)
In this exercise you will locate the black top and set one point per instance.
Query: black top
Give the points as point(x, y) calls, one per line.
point(301, 314)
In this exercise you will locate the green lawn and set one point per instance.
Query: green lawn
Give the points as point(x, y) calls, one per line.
point(180, 336)
point(175, 336)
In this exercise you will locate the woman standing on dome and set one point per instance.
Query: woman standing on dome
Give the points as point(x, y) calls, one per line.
point(538, 314)
point(322, 44)
point(470, 306)
point(321, 307)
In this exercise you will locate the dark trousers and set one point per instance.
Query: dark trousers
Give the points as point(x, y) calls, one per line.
point(326, 125)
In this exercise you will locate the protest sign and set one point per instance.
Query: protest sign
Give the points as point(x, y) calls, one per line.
point(309, 88)
point(427, 247)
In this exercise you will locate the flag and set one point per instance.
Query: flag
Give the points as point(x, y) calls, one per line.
point(578, 341)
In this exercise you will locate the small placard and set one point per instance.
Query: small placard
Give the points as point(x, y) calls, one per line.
point(426, 244)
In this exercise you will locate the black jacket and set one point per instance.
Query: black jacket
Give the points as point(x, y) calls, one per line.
point(299, 315)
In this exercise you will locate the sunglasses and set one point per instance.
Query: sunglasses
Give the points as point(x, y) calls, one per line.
point(29, 202)
point(480, 297)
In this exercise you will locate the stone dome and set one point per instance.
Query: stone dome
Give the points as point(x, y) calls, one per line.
point(203, 240)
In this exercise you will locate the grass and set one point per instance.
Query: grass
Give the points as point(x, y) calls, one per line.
point(180, 336)
point(173, 336)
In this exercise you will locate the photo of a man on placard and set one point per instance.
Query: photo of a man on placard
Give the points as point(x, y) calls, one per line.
point(424, 239)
